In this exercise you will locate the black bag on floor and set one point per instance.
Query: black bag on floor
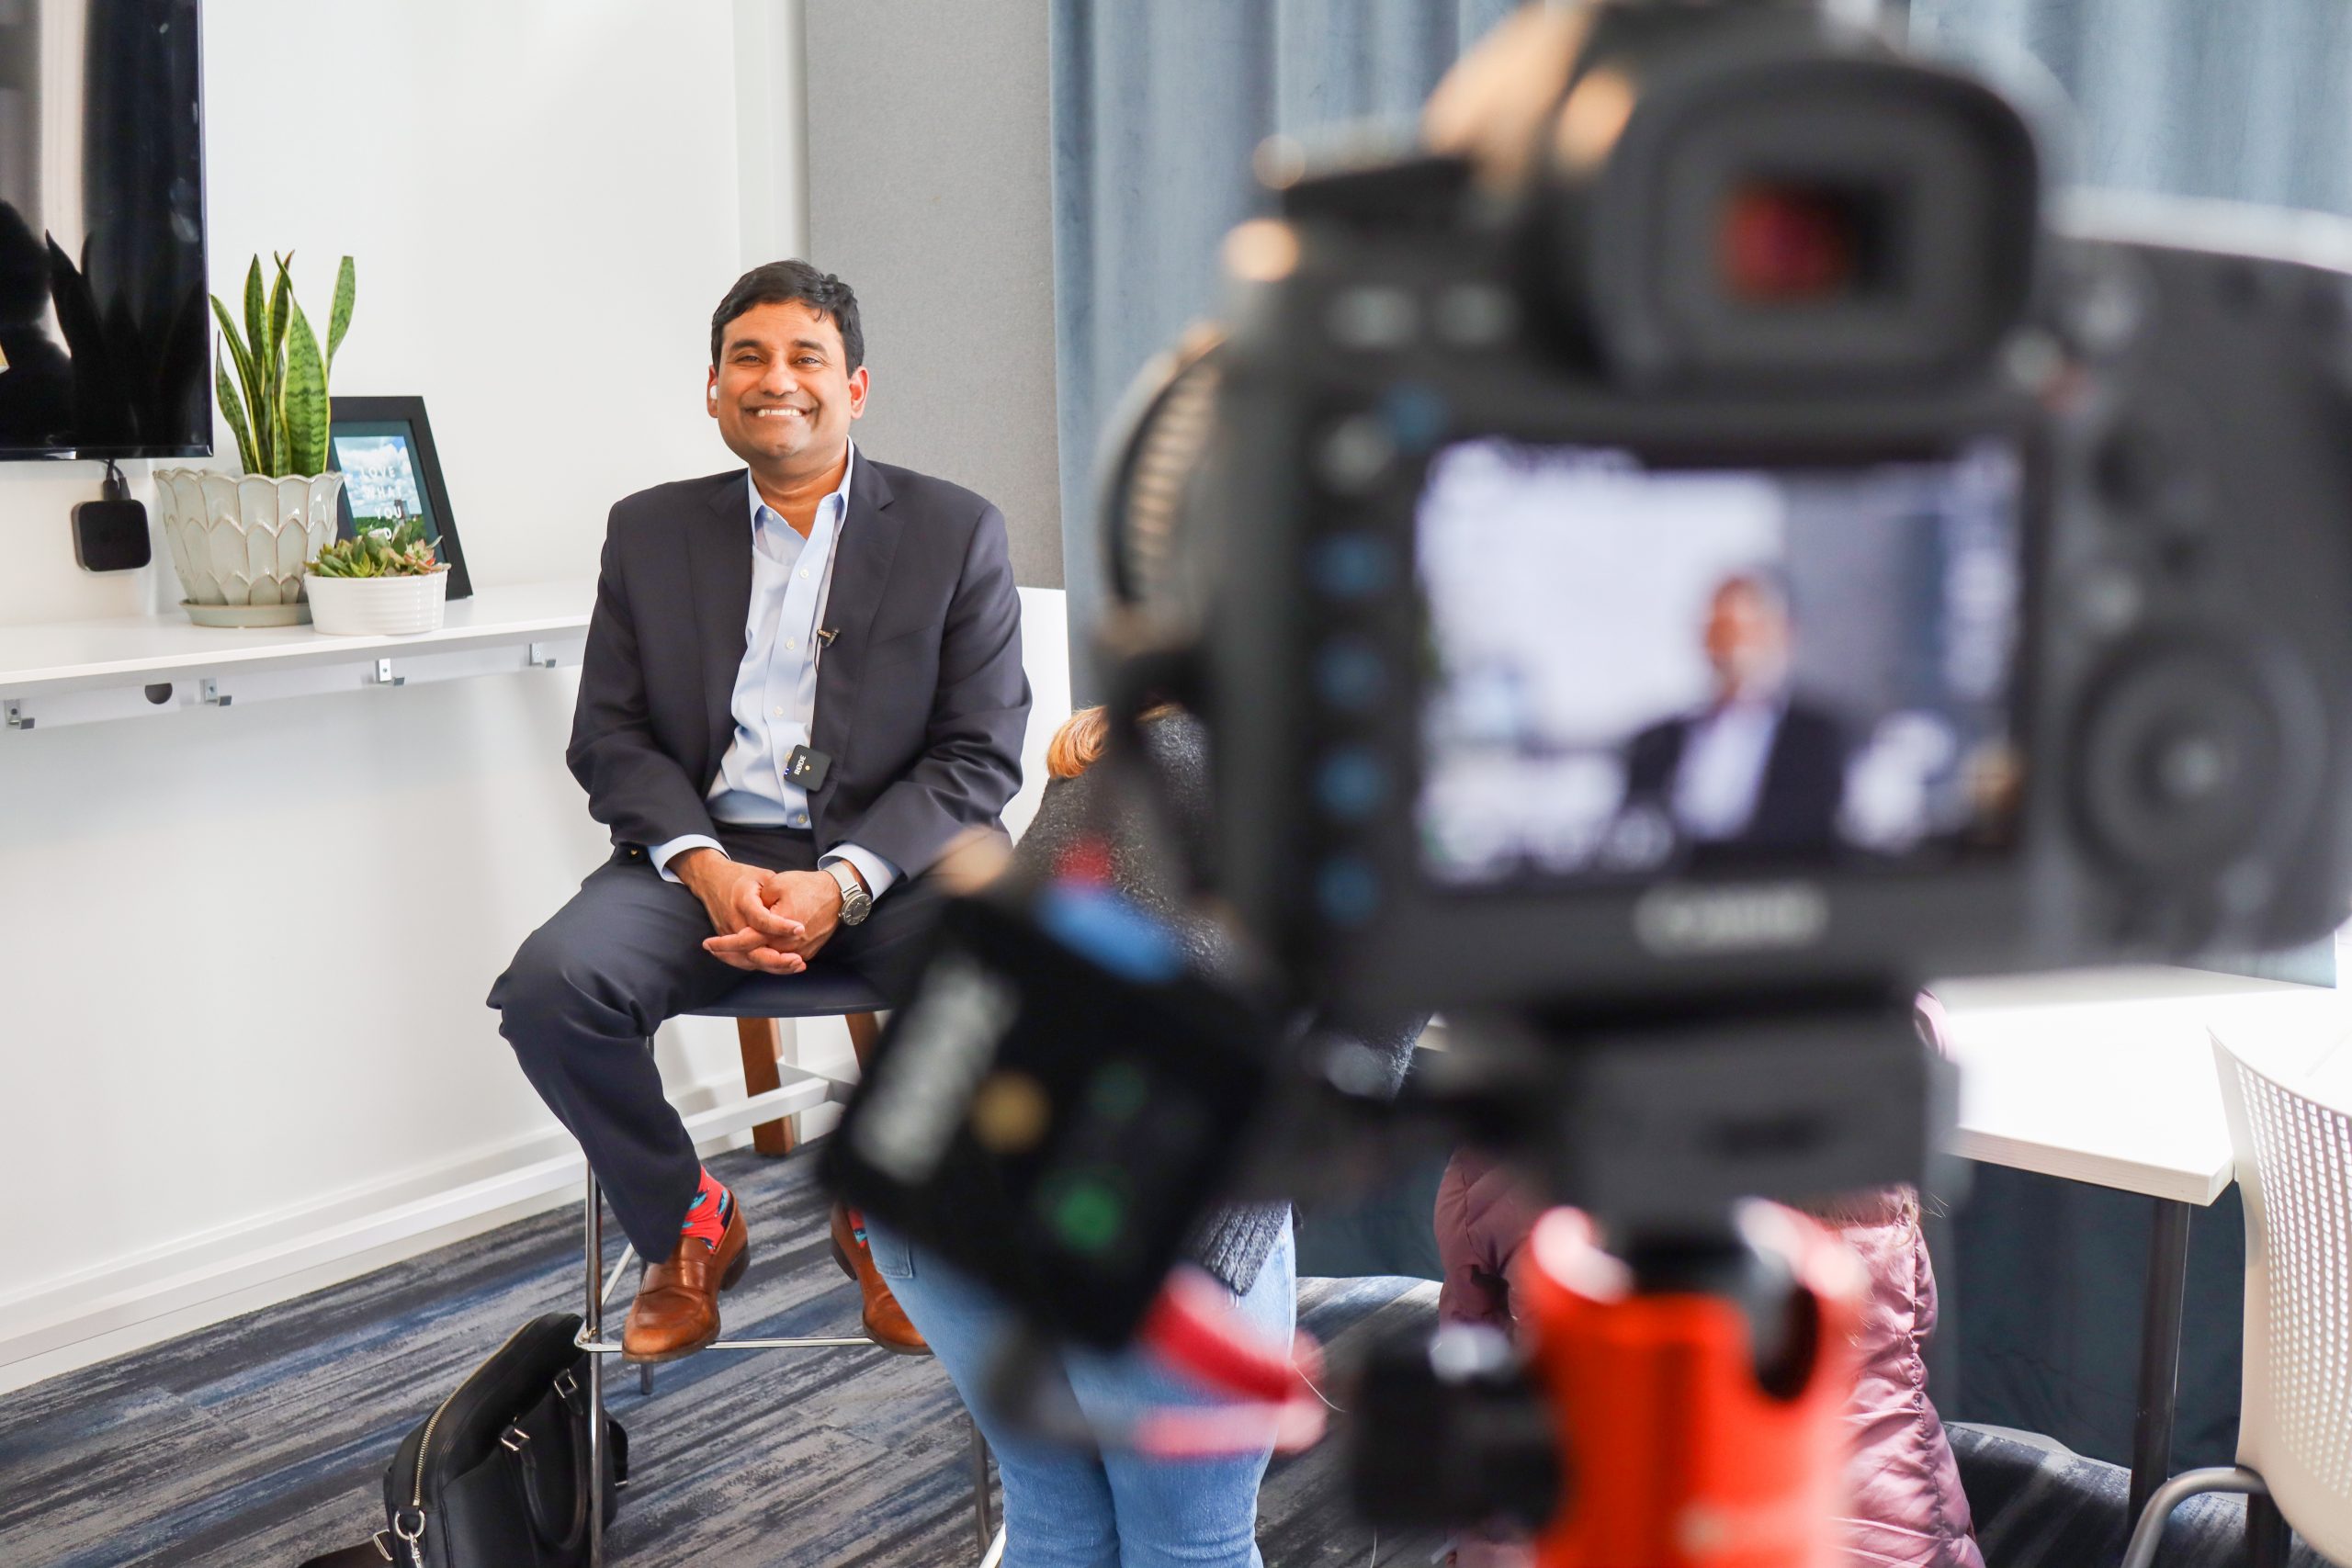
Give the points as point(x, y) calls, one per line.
point(496, 1477)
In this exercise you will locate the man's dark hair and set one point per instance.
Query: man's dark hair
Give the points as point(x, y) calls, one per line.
point(1769, 582)
point(788, 282)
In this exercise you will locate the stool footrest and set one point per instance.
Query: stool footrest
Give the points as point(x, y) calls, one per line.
point(820, 1342)
point(836, 1090)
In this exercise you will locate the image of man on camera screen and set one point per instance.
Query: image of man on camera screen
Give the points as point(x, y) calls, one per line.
point(1696, 667)
point(1758, 766)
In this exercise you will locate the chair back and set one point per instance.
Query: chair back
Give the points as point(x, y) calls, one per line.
point(2293, 1147)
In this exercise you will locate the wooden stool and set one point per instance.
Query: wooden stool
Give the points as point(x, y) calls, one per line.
point(756, 1004)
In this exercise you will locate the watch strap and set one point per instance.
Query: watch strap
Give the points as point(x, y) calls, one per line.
point(856, 902)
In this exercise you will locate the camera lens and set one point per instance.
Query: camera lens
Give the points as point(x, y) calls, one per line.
point(1784, 242)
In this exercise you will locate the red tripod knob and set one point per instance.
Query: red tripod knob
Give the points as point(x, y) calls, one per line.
point(1700, 1406)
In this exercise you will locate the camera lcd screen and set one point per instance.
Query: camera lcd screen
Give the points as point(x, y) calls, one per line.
point(1638, 670)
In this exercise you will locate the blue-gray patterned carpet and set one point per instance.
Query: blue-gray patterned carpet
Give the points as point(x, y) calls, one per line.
point(262, 1441)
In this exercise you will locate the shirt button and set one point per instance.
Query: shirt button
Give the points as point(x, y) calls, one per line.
point(804, 573)
point(775, 713)
point(789, 645)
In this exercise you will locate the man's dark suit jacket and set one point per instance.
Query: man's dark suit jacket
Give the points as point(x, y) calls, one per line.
point(1804, 784)
point(921, 698)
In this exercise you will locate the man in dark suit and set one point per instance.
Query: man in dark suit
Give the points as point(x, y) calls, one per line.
point(802, 684)
point(1759, 770)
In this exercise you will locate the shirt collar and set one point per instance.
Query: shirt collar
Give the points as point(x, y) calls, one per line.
point(752, 484)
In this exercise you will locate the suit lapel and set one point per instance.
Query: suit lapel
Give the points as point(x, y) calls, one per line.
point(861, 575)
point(719, 553)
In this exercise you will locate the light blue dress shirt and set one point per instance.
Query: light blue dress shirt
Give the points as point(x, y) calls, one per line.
point(775, 686)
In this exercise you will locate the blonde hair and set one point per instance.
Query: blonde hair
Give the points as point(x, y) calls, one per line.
point(1077, 744)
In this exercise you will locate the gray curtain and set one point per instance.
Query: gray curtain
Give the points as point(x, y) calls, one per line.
point(1157, 109)
point(2240, 99)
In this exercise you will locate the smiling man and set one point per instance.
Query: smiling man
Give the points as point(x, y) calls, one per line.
point(802, 684)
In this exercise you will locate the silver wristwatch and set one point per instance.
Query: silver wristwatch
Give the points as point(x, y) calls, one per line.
point(857, 903)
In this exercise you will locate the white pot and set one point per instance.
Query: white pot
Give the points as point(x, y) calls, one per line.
point(378, 606)
point(241, 540)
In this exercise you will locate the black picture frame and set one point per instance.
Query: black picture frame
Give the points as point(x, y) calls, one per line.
point(400, 421)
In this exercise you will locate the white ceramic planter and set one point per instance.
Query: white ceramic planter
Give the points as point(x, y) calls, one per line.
point(378, 606)
point(239, 543)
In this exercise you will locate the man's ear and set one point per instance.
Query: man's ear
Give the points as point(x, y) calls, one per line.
point(710, 395)
point(859, 382)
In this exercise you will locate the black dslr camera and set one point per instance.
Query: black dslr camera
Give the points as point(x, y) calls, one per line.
point(1663, 605)
point(1763, 554)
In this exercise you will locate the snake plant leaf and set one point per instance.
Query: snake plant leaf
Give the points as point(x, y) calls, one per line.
point(307, 411)
point(281, 319)
point(260, 396)
point(235, 409)
point(347, 287)
point(229, 332)
point(256, 311)
point(236, 355)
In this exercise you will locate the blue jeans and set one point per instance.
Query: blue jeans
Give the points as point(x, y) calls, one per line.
point(1116, 1509)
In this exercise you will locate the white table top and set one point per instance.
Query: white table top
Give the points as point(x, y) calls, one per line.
point(79, 655)
point(2107, 1075)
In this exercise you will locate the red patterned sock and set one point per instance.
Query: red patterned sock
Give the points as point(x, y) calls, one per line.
point(707, 1215)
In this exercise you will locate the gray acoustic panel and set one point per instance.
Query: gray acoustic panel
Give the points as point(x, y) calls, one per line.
point(930, 191)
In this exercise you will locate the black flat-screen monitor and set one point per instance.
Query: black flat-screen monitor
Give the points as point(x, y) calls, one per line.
point(104, 329)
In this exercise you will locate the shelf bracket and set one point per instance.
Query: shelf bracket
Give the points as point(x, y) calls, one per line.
point(541, 657)
point(208, 693)
point(17, 716)
point(384, 676)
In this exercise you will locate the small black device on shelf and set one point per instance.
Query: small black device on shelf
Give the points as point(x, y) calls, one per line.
point(110, 533)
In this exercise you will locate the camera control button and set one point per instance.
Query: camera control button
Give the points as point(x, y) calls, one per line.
point(1351, 783)
point(1416, 416)
point(1354, 454)
point(1476, 315)
point(1373, 316)
point(1348, 891)
point(1352, 566)
point(1350, 675)
point(2147, 467)
point(2182, 750)
point(2106, 298)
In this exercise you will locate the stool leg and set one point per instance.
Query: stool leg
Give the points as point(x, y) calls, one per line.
point(864, 1029)
point(593, 1319)
point(645, 1379)
point(760, 1041)
point(983, 1525)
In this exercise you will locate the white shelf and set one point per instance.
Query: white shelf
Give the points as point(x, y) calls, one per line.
point(89, 671)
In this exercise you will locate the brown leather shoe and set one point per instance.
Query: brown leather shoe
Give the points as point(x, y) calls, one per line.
point(676, 1310)
point(885, 1319)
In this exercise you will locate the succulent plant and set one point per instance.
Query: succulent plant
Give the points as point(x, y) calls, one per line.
point(281, 371)
point(403, 551)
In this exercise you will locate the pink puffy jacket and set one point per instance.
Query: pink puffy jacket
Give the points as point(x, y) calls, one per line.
point(1908, 1505)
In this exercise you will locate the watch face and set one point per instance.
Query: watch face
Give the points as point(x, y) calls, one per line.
point(855, 900)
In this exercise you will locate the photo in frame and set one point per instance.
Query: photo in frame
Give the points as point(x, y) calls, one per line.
point(383, 447)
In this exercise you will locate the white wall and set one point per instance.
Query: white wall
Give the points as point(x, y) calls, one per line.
point(243, 953)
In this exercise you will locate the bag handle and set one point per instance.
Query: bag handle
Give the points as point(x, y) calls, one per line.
point(567, 1389)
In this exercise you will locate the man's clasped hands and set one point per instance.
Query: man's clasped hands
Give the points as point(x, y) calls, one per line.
point(768, 922)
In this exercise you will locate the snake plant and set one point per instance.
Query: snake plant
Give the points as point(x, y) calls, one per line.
point(280, 371)
point(403, 551)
